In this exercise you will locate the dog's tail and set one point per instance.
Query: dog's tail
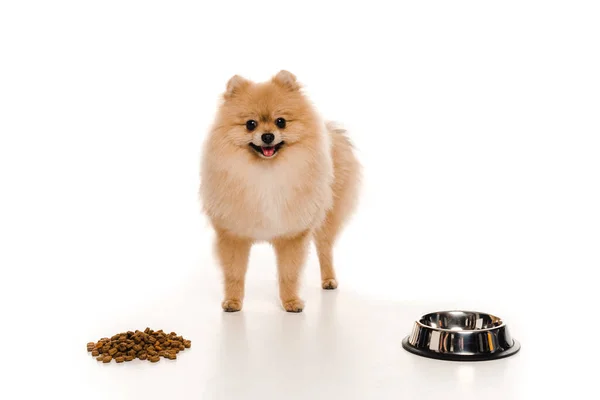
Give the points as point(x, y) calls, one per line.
point(339, 132)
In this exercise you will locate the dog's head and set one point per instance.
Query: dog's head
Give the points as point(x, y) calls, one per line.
point(265, 119)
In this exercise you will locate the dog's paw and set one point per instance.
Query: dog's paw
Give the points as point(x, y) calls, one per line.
point(294, 306)
point(231, 305)
point(329, 284)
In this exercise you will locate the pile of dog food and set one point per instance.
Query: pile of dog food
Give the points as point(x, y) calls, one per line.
point(147, 345)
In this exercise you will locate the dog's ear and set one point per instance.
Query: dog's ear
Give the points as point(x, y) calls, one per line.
point(287, 80)
point(235, 85)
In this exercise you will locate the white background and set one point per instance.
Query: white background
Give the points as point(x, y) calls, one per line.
point(478, 127)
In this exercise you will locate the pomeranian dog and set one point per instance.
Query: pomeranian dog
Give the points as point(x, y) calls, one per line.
point(273, 171)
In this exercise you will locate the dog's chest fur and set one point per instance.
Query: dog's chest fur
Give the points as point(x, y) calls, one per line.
point(266, 201)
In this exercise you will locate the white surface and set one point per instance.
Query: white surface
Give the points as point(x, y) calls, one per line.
point(477, 124)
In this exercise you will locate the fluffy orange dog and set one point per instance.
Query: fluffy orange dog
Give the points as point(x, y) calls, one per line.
point(274, 171)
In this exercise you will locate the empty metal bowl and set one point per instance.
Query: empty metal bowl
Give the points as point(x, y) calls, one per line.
point(461, 336)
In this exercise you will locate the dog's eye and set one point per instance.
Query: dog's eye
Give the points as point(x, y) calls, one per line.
point(280, 122)
point(251, 125)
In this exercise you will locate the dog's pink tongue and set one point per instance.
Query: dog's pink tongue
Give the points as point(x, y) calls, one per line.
point(268, 151)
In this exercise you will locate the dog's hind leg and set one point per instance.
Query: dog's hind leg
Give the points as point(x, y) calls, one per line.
point(345, 191)
point(324, 240)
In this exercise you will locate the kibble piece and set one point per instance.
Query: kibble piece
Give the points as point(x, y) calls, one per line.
point(112, 351)
point(154, 359)
point(129, 358)
point(120, 359)
point(152, 353)
point(100, 358)
point(187, 344)
point(95, 353)
point(137, 347)
point(181, 347)
point(107, 359)
point(143, 356)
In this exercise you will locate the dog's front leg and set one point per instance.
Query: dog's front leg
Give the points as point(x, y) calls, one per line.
point(233, 253)
point(291, 254)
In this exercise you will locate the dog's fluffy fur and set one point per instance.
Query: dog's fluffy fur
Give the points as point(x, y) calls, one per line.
point(307, 189)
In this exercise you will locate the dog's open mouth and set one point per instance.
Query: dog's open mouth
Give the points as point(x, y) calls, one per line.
point(267, 151)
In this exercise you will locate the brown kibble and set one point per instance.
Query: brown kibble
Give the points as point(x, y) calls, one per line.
point(146, 345)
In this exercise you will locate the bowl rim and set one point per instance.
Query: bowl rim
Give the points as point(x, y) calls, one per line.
point(464, 331)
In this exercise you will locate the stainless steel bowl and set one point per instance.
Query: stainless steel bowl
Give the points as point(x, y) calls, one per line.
point(461, 336)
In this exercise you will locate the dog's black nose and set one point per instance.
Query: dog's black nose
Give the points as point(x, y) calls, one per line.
point(267, 138)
